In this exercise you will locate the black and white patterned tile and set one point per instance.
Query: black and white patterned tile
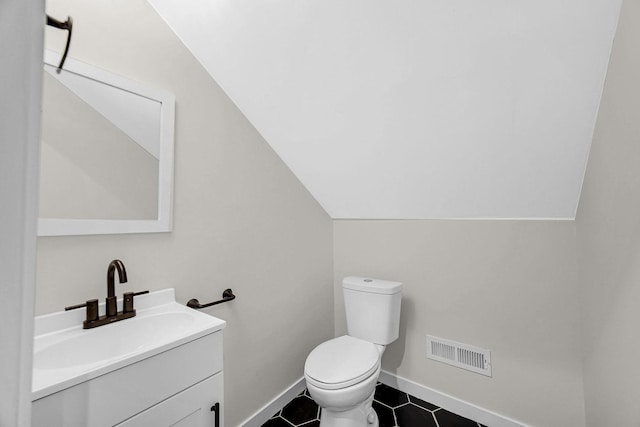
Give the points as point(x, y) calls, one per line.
point(394, 409)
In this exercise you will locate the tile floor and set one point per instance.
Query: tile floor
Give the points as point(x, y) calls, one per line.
point(394, 409)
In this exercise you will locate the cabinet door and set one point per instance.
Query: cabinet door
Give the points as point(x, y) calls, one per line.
point(192, 407)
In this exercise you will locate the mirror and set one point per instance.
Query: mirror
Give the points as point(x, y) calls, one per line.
point(106, 153)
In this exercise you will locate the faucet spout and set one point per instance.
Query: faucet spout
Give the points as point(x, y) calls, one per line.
point(116, 264)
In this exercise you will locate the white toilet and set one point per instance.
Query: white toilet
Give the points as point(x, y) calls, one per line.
point(342, 373)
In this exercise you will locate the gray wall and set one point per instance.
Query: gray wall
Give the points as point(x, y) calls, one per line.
point(608, 225)
point(508, 286)
point(241, 218)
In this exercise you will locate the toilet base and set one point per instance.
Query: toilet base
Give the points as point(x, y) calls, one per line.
point(362, 415)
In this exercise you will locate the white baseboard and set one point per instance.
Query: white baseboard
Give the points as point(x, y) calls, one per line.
point(261, 417)
point(450, 403)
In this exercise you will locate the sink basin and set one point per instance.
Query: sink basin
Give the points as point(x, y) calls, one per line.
point(65, 354)
point(82, 350)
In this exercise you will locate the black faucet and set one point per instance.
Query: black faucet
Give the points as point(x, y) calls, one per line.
point(112, 314)
point(111, 301)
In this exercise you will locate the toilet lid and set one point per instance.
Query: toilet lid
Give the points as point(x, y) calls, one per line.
point(341, 362)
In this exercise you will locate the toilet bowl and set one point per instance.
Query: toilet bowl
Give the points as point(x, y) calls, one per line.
point(342, 373)
point(341, 376)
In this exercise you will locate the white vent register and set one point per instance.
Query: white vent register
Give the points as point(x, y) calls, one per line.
point(463, 356)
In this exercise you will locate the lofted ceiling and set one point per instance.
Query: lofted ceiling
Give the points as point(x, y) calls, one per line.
point(415, 109)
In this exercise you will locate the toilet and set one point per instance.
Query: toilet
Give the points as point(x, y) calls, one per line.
point(341, 374)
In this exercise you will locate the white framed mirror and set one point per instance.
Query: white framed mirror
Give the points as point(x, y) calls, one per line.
point(106, 153)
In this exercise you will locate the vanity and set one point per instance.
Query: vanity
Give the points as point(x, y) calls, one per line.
point(162, 367)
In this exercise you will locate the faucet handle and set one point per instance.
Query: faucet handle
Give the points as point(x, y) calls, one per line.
point(92, 310)
point(127, 302)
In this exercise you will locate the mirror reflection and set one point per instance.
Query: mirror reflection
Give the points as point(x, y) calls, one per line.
point(91, 168)
point(106, 149)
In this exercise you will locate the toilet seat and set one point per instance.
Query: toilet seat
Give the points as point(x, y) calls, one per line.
point(341, 362)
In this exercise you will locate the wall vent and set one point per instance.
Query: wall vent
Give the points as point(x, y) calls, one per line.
point(463, 356)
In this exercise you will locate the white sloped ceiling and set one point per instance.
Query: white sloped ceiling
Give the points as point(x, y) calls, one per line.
point(415, 109)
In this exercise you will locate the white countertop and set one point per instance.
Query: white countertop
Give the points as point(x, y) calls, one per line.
point(65, 354)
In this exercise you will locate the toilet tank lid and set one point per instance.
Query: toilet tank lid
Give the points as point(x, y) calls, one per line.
point(376, 286)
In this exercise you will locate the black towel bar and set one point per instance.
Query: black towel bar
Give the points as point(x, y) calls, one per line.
point(67, 26)
point(227, 295)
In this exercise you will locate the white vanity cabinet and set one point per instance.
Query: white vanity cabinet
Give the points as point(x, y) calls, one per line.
point(178, 382)
point(197, 406)
point(175, 387)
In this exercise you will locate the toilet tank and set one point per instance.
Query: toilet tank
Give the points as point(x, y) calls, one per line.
point(373, 309)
